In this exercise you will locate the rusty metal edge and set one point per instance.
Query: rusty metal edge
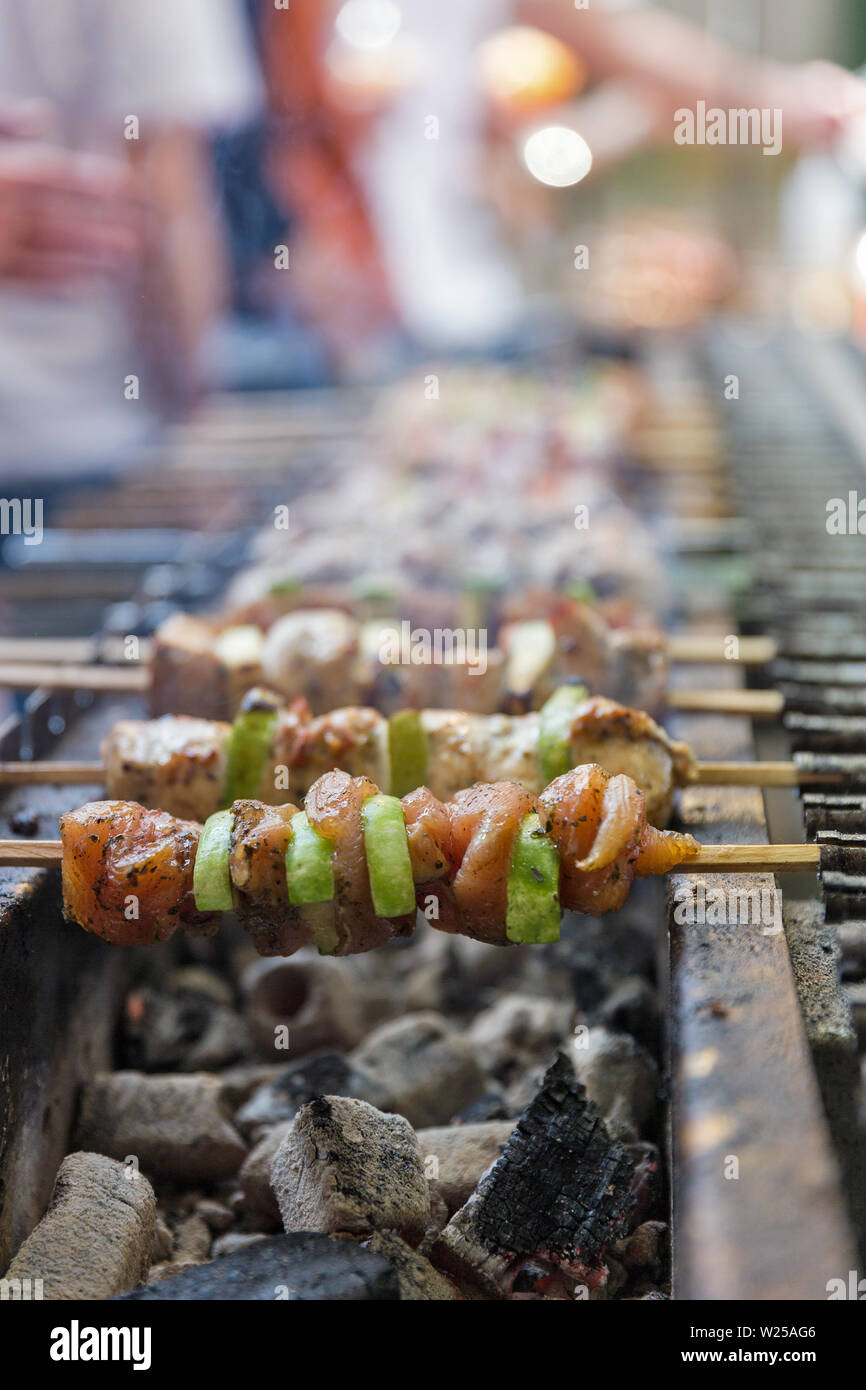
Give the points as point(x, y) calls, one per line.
point(756, 1191)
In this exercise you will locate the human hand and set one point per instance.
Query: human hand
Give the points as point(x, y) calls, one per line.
point(817, 100)
point(63, 216)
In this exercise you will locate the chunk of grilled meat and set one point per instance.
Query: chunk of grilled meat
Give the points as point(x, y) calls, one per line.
point(127, 871)
point(179, 763)
point(325, 654)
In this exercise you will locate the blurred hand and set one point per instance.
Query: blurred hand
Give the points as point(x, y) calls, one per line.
point(64, 217)
point(817, 100)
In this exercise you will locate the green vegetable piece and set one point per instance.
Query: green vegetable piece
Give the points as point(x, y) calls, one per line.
point(408, 751)
point(248, 749)
point(309, 864)
point(387, 848)
point(211, 880)
point(554, 730)
point(533, 912)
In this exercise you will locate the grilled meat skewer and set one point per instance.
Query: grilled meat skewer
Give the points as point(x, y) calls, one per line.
point(130, 876)
point(182, 764)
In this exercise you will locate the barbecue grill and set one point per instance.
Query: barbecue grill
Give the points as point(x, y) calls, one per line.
point(758, 1133)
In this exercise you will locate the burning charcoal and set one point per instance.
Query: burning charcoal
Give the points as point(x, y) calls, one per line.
point(322, 1073)
point(523, 1091)
point(425, 1069)
point(409, 973)
point(647, 1185)
point(416, 1276)
point(218, 1217)
point(536, 1280)
point(482, 969)
point(455, 1157)
point(169, 1268)
point(234, 1241)
point(646, 1250)
point(240, 1082)
point(345, 1166)
point(24, 822)
point(616, 1277)
point(163, 1240)
point(492, 1105)
point(439, 1214)
point(255, 1175)
point(594, 954)
point(633, 1008)
point(302, 1267)
point(182, 1030)
point(620, 1078)
point(96, 1237)
point(201, 980)
point(192, 1238)
point(172, 1125)
point(441, 977)
point(301, 1005)
point(560, 1192)
point(517, 1031)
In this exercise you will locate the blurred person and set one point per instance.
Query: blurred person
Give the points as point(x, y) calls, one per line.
point(395, 223)
point(262, 344)
point(111, 260)
point(342, 283)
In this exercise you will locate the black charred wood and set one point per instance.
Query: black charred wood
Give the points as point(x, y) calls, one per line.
point(560, 1192)
point(814, 767)
point(843, 857)
point(824, 699)
point(827, 733)
point(300, 1268)
point(847, 820)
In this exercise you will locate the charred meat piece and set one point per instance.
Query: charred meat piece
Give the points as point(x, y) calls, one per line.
point(127, 872)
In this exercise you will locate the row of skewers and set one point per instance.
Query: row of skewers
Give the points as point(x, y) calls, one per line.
point(544, 827)
point(329, 656)
point(511, 792)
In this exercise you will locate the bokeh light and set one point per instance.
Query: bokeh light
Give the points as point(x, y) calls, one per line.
point(557, 155)
point(369, 23)
point(526, 69)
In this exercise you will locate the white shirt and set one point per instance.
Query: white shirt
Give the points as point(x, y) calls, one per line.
point(63, 358)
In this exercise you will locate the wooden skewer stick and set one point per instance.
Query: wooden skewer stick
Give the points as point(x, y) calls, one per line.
point(759, 704)
point(756, 704)
point(751, 651)
point(709, 648)
point(74, 650)
point(32, 675)
point(30, 854)
point(753, 859)
point(772, 774)
point(51, 774)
